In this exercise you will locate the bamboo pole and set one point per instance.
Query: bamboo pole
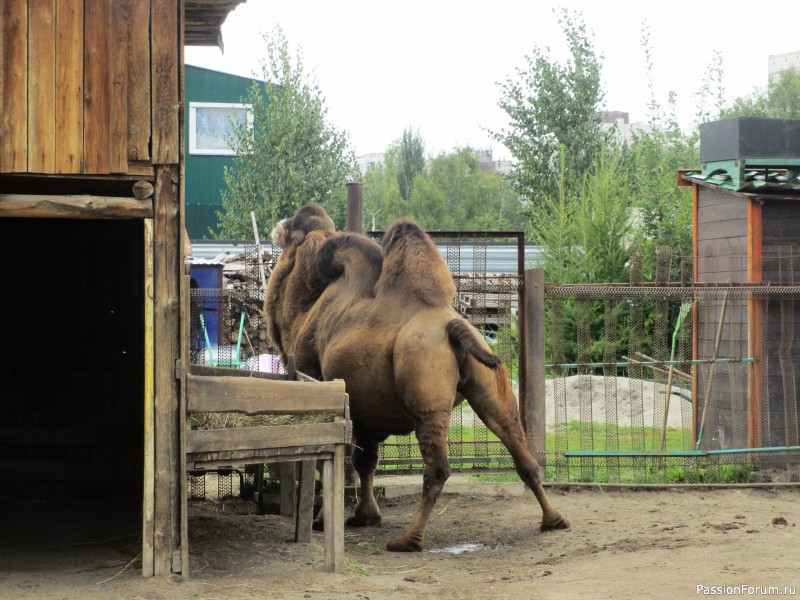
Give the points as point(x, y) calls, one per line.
point(261, 270)
point(710, 382)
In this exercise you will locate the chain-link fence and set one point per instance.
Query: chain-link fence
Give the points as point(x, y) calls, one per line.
point(674, 380)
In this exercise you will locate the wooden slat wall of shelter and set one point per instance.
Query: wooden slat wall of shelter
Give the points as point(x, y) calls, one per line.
point(75, 86)
point(69, 87)
point(165, 81)
point(13, 86)
point(96, 89)
point(118, 86)
point(41, 86)
point(138, 81)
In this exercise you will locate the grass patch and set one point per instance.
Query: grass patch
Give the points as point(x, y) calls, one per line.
point(478, 448)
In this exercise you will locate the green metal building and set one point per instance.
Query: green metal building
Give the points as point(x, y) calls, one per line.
point(212, 100)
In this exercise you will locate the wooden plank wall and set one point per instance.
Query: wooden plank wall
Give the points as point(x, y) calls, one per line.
point(75, 86)
point(13, 86)
point(94, 87)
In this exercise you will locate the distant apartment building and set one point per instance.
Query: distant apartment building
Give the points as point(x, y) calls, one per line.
point(367, 162)
point(619, 122)
point(778, 63)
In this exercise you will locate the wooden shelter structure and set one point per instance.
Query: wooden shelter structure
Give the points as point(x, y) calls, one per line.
point(746, 201)
point(91, 186)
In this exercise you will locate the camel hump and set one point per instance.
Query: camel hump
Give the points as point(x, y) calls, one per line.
point(349, 251)
point(464, 336)
point(412, 266)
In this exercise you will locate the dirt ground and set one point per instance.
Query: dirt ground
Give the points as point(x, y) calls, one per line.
point(623, 544)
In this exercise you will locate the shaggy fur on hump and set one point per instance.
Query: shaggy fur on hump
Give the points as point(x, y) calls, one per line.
point(411, 261)
point(333, 258)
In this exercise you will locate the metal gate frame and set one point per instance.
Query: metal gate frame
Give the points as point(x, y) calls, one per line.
point(468, 256)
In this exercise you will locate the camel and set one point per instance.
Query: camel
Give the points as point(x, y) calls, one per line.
point(383, 322)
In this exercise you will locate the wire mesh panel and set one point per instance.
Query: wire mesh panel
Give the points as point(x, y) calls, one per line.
point(227, 329)
point(486, 271)
point(706, 373)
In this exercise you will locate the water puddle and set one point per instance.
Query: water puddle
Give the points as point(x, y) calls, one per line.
point(459, 549)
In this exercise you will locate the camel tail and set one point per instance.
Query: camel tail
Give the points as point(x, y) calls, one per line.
point(462, 335)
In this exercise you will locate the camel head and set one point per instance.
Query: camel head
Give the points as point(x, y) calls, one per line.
point(308, 218)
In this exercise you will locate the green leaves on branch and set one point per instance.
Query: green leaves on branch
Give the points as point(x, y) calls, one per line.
point(552, 106)
point(453, 193)
point(291, 156)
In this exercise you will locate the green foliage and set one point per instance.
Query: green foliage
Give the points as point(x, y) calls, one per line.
point(663, 211)
point(754, 105)
point(784, 96)
point(585, 238)
point(293, 155)
point(553, 106)
point(780, 101)
point(408, 161)
point(454, 194)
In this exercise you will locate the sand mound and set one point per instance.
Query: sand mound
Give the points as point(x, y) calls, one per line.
point(646, 394)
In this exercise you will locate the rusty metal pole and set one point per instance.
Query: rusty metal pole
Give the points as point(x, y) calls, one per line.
point(355, 206)
point(535, 412)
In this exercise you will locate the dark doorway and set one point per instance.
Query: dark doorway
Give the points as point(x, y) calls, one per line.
point(71, 381)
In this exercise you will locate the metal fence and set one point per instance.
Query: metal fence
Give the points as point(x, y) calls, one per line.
point(491, 301)
point(673, 380)
point(667, 380)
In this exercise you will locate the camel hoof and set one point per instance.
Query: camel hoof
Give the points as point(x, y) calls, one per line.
point(363, 521)
point(403, 544)
point(560, 522)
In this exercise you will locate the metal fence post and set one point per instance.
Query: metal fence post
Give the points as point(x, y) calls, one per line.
point(355, 207)
point(534, 393)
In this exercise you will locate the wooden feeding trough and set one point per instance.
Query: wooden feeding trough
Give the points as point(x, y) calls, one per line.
point(225, 390)
point(95, 354)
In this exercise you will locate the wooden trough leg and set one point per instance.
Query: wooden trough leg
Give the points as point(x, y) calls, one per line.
point(305, 502)
point(333, 510)
point(288, 480)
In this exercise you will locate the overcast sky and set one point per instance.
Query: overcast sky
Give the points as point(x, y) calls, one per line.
point(434, 65)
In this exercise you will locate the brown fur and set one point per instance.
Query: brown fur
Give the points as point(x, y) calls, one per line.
point(414, 267)
point(404, 353)
point(295, 285)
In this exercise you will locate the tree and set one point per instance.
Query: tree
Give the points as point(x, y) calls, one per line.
point(454, 194)
point(647, 165)
point(553, 106)
point(291, 156)
point(784, 96)
point(408, 161)
point(781, 100)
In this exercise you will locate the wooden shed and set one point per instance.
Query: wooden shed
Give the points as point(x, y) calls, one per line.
point(747, 241)
point(91, 224)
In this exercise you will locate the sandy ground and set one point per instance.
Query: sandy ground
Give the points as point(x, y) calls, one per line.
point(623, 544)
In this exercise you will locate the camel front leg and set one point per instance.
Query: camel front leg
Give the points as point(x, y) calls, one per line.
point(432, 436)
point(365, 461)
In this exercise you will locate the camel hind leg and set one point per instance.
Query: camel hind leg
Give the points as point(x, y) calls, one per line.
point(489, 393)
point(432, 436)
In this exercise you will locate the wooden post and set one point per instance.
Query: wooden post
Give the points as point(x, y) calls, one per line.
point(288, 477)
point(148, 517)
point(355, 207)
point(305, 502)
point(166, 331)
point(333, 510)
point(535, 411)
point(755, 316)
